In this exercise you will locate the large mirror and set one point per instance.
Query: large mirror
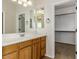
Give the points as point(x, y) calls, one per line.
point(19, 16)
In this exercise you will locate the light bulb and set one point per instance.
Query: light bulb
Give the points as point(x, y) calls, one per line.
point(19, 2)
point(29, 3)
point(14, 0)
point(25, 5)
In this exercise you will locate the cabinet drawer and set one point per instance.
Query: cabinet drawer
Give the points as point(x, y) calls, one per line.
point(24, 44)
point(43, 44)
point(9, 49)
point(43, 38)
point(36, 40)
point(13, 55)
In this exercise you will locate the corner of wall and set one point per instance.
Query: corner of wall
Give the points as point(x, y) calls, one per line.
point(52, 57)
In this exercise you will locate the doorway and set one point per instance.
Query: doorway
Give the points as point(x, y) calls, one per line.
point(65, 30)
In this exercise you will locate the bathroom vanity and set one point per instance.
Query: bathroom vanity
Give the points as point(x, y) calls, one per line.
point(29, 48)
point(18, 20)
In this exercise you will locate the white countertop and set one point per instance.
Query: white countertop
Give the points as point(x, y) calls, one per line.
point(9, 39)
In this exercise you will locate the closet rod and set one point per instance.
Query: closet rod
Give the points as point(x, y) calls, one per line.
point(65, 31)
point(66, 14)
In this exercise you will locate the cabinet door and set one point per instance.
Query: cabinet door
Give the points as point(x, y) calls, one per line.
point(43, 46)
point(43, 51)
point(13, 55)
point(26, 53)
point(36, 51)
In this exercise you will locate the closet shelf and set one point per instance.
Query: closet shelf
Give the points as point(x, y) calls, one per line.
point(65, 14)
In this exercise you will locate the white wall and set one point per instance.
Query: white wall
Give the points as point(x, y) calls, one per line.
point(49, 13)
point(65, 37)
point(70, 9)
point(9, 9)
point(59, 2)
point(65, 22)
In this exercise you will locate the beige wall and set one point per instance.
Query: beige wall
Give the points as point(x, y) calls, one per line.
point(9, 9)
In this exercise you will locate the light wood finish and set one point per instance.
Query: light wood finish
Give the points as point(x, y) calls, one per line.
point(36, 40)
point(43, 46)
point(9, 49)
point(31, 49)
point(43, 51)
point(13, 55)
point(43, 38)
point(65, 51)
point(24, 44)
point(25, 50)
point(25, 53)
point(36, 49)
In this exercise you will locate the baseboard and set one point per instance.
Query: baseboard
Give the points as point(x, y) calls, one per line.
point(65, 43)
point(51, 57)
point(48, 57)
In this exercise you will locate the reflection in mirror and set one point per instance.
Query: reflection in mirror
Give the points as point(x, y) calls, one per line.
point(40, 18)
point(31, 18)
point(30, 23)
point(9, 16)
point(17, 18)
point(21, 23)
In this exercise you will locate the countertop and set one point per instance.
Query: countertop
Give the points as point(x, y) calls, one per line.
point(9, 39)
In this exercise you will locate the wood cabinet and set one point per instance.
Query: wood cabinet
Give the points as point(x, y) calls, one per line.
point(43, 51)
point(36, 49)
point(25, 53)
point(9, 49)
point(13, 55)
point(25, 50)
point(31, 49)
point(10, 52)
point(43, 46)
